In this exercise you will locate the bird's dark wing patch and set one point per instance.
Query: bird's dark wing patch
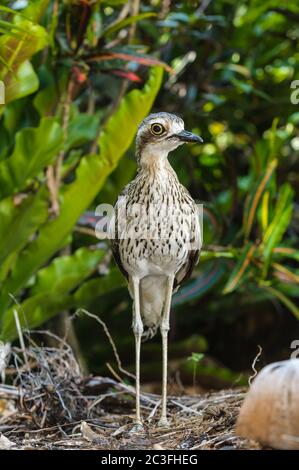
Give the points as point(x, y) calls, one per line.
point(186, 270)
point(117, 258)
point(115, 241)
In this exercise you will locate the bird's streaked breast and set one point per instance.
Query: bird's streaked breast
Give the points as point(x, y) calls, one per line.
point(158, 224)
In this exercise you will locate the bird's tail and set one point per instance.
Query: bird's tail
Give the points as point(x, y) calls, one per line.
point(152, 298)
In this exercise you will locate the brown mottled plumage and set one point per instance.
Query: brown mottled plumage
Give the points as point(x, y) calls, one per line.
point(157, 239)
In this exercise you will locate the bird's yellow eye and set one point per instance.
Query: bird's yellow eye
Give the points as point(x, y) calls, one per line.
point(157, 129)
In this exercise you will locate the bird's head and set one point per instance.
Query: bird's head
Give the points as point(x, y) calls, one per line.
point(159, 134)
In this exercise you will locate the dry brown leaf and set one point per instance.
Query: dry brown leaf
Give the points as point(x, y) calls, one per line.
point(88, 433)
point(5, 443)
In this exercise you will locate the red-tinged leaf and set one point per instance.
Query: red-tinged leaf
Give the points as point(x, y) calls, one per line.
point(287, 252)
point(125, 74)
point(285, 274)
point(144, 60)
point(79, 75)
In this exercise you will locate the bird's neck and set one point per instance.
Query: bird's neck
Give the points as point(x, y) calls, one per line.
point(154, 163)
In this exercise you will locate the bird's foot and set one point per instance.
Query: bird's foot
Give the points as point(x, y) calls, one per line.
point(163, 423)
point(138, 427)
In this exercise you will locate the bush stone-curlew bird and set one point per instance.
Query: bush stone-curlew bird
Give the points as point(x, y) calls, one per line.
point(155, 235)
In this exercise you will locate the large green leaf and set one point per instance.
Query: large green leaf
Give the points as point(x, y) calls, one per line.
point(67, 271)
point(14, 51)
point(52, 292)
point(35, 10)
point(35, 148)
point(92, 172)
point(83, 128)
point(24, 82)
point(33, 312)
point(7, 27)
point(121, 128)
point(98, 287)
point(19, 222)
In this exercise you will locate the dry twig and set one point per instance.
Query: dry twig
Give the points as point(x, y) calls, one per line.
point(256, 359)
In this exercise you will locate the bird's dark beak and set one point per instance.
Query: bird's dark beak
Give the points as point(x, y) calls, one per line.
point(186, 136)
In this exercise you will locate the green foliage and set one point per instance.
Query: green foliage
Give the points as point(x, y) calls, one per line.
point(35, 148)
point(126, 22)
point(90, 176)
point(19, 222)
point(51, 290)
point(66, 67)
point(240, 269)
point(196, 357)
point(77, 196)
point(35, 237)
point(282, 215)
point(235, 86)
point(82, 129)
point(66, 272)
point(17, 46)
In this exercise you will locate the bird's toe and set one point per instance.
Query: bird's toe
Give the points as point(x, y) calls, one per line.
point(163, 423)
point(137, 428)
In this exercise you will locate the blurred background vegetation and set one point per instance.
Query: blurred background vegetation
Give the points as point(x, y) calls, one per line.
point(79, 76)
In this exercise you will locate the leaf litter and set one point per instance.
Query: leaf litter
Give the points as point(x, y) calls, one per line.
point(50, 404)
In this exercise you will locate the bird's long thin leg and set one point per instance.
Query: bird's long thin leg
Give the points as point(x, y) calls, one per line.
point(164, 333)
point(138, 330)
